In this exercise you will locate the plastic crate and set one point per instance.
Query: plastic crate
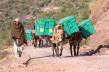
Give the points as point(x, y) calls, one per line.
point(28, 35)
point(70, 25)
point(87, 28)
point(44, 27)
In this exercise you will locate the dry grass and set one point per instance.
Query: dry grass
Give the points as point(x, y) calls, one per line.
point(7, 54)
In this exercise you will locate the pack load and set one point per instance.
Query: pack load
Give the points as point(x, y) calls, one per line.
point(44, 27)
point(70, 25)
point(87, 28)
point(28, 34)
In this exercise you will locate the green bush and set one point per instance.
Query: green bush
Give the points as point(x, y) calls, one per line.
point(4, 39)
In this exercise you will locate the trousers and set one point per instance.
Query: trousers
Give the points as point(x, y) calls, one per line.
point(18, 49)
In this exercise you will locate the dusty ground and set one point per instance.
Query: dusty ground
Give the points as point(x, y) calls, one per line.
point(42, 61)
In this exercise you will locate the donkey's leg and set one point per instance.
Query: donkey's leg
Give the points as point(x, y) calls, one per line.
point(53, 48)
point(39, 43)
point(35, 44)
point(74, 50)
point(57, 50)
point(71, 49)
point(78, 47)
point(42, 43)
point(61, 49)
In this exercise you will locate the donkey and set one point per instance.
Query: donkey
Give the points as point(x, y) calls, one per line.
point(57, 40)
point(36, 39)
point(75, 41)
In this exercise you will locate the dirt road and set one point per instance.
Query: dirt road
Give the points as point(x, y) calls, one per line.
point(42, 61)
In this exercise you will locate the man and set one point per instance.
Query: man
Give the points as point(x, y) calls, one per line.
point(18, 36)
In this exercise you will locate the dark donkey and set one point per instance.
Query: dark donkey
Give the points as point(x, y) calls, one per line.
point(75, 41)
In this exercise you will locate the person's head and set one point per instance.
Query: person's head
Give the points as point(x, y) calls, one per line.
point(58, 26)
point(17, 20)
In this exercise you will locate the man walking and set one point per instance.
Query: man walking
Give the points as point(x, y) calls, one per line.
point(18, 36)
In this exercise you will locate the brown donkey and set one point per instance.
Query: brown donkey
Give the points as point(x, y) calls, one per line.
point(57, 40)
point(75, 41)
point(36, 39)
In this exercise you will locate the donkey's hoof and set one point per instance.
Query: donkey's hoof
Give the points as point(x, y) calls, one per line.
point(53, 55)
point(60, 56)
point(71, 55)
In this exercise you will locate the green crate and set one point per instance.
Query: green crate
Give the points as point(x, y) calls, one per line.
point(44, 27)
point(28, 35)
point(87, 28)
point(70, 25)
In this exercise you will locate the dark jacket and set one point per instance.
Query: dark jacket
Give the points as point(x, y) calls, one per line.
point(17, 32)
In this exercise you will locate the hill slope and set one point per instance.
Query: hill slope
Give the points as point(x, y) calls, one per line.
point(100, 16)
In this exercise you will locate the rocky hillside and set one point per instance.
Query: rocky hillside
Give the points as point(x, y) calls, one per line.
point(100, 16)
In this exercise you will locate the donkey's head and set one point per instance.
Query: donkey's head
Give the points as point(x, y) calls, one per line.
point(60, 32)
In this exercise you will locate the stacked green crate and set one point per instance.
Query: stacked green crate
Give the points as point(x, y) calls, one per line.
point(44, 27)
point(28, 35)
point(51, 28)
point(87, 28)
point(70, 25)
